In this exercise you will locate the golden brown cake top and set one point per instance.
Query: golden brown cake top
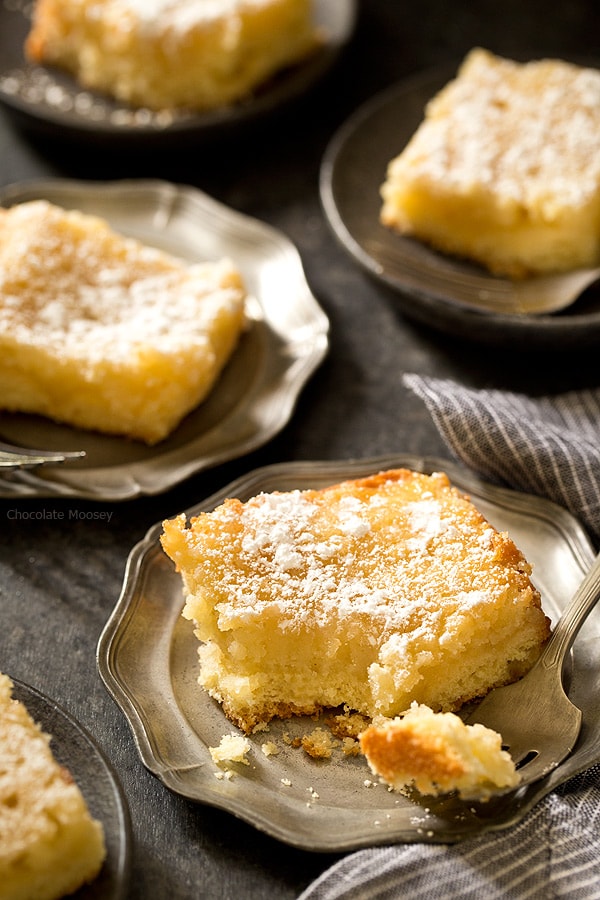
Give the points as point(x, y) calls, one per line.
point(531, 131)
point(394, 547)
point(69, 282)
point(44, 820)
point(181, 15)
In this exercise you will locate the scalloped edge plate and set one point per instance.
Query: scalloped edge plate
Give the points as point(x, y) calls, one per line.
point(147, 659)
point(256, 393)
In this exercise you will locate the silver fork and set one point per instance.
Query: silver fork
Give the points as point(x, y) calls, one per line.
point(13, 457)
point(538, 723)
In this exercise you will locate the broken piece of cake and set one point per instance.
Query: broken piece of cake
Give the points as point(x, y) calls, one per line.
point(50, 845)
point(369, 594)
point(170, 54)
point(504, 169)
point(231, 749)
point(437, 754)
point(101, 332)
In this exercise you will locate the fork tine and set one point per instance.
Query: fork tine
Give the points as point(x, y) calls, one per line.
point(12, 457)
point(535, 713)
point(22, 461)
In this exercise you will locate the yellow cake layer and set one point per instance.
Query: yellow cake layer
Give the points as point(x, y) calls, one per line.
point(199, 54)
point(50, 844)
point(505, 167)
point(372, 594)
point(102, 332)
point(438, 754)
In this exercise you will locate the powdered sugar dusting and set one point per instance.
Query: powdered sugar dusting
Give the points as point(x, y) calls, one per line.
point(86, 293)
point(352, 519)
point(529, 132)
point(182, 15)
point(323, 555)
point(369, 594)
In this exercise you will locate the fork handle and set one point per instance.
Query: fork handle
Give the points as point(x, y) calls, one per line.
point(567, 628)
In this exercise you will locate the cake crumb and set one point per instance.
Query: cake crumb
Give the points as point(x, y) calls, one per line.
point(270, 748)
point(350, 746)
point(347, 724)
point(232, 748)
point(261, 726)
point(318, 744)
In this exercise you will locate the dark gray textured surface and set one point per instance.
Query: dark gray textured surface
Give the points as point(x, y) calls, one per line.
point(61, 570)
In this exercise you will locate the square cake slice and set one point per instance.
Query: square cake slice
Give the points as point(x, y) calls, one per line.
point(370, 594)
point(504, 169)
point(166, 54)
point(101, 332)
point(50, 845)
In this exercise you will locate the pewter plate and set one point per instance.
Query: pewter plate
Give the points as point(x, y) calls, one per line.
point(49, 101)
point(147, 658)
point(256, 394)
point(448, 294)
point(73, 747)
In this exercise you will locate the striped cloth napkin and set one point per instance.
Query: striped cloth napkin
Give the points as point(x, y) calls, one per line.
point(553, 853)
point(548, 446)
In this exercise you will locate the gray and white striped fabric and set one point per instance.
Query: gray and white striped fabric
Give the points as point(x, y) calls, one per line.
point(548, 446)
point(553, 853)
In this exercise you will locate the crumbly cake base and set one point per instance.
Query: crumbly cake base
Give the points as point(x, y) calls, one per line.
point(436, 753)
point(368, 594)
point(505, 168)
point(164, 54)
point(101, 332)
point(50, 844)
